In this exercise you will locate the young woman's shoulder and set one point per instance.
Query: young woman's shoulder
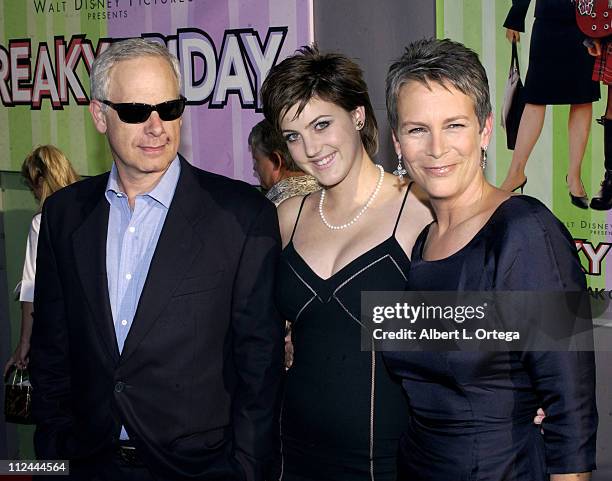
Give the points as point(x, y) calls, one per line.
point(288, 211)
point(417, 203)
point(416, 215)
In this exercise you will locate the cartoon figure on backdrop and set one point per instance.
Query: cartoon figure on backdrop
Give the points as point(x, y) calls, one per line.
point(589, 14)
point(157, 350)
point(471, 412)
point(559, 74)
point(45, 170)
point(272, 164)
point(342, 412)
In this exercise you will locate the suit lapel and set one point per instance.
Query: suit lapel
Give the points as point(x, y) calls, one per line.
point(177, 248)
point(89, 245)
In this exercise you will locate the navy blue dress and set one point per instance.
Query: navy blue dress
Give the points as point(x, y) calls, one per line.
point(472, 412)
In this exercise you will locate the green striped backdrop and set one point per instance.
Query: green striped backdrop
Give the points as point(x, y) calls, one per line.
point(73, 132)
point(479, 25)
point(22, 129)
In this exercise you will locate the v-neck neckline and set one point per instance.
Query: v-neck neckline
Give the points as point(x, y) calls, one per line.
point(291, 247)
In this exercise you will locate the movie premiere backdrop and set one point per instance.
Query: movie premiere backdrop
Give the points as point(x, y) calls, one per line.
point(479, 24)
point(225, 48)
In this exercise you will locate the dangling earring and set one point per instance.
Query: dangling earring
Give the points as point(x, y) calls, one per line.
point(359, 124)
point(483, 157)
point(400, 171)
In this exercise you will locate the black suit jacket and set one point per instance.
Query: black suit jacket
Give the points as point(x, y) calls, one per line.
point(197, 383)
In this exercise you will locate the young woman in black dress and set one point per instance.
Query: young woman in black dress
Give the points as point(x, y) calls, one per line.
point(342, 411)
point(471, 412)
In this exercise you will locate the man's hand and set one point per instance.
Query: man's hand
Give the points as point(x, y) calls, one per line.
point(513, 35)
point(560, 477)
point(288, 346)
point(540, 415)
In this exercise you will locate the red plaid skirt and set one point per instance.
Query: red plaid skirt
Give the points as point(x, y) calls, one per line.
point(602, 71)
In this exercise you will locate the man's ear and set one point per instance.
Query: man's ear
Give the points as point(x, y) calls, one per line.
point(277, 160)
point(98, 115)
point(279, 166)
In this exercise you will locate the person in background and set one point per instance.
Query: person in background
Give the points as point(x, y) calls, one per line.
point(272, 164)
point(471, 412)
point(559, 74)
point(45, 170)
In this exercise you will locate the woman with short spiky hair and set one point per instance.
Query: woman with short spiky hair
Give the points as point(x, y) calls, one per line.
point(471, 412)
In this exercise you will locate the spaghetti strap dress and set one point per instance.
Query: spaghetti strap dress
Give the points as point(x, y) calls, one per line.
point(342, 412)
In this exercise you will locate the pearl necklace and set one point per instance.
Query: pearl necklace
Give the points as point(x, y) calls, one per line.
point(363, 209)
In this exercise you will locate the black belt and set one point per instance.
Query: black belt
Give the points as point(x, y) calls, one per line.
point(128, 454)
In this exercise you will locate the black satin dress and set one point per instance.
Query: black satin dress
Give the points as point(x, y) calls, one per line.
point(342, 413)
point(472, 412)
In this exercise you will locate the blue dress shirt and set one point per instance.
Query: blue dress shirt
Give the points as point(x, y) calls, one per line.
point(130, 243)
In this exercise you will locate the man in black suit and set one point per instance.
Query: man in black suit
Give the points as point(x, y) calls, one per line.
point(157, 351)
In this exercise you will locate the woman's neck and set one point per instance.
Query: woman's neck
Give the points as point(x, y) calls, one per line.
point(451, 212)
point(357, 186)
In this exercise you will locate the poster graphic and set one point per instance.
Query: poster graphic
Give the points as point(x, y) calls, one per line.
point(548, 163)
point(225, 49)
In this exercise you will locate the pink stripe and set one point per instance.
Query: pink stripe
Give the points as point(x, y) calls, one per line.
point(211, 129)
point(255, 15)
point(303, 25)
point(132, 25)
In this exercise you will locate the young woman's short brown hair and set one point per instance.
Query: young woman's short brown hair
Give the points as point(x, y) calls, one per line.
point(331, 77)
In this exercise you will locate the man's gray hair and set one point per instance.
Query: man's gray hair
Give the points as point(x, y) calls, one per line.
point(127, 50)
point(444, 62)
point(265, 139)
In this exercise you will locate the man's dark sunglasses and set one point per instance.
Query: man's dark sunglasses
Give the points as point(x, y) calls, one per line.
point(134, 113)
